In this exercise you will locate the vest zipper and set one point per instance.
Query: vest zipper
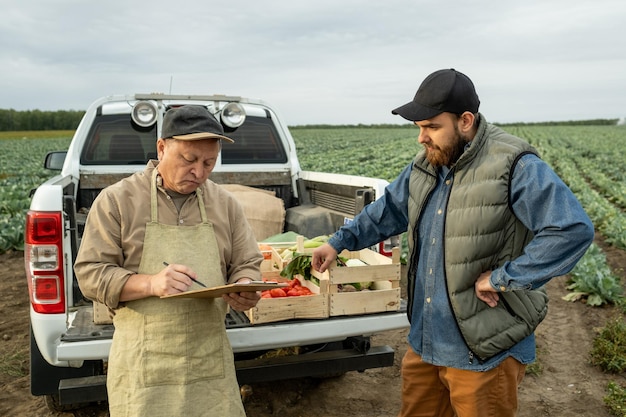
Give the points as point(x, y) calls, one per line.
point(414, 255)
point(471, 353)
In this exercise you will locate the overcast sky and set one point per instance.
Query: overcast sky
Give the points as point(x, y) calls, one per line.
point(322, 61)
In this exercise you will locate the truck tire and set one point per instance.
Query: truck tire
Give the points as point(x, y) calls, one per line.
point(52, 402)
point(45, 378)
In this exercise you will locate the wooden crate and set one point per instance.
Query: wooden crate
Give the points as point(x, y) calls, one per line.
point(269, 310)
point(272, 264)
point(384, 272)
point(277, 249)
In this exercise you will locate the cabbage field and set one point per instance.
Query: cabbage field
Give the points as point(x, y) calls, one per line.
point(590, 159)
point(21, 169)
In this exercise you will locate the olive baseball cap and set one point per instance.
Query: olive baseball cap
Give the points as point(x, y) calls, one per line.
point(191, 123)
point(446, 90)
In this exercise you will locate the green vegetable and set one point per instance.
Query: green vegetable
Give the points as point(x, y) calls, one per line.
point(361, 285)
point(299, 265)
point(312, 243)
point(593, 279)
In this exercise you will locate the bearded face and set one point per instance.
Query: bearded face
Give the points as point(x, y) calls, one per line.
point(447, 153)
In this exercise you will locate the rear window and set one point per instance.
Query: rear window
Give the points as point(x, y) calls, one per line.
point(115, 140)
point(256, 142)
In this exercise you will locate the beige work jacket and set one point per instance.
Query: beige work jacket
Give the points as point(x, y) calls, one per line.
point(112, 243)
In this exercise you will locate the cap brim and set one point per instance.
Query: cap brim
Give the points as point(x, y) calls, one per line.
point(202, 135)
point(416, 112)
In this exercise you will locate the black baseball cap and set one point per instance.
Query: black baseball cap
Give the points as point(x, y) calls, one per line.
point(191, 122)
point(446, 90)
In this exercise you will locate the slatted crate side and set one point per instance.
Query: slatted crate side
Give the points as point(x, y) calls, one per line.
point(385, 274)
point(364, 302)
point(347, 274)
point(379, 268)
point(270, 310)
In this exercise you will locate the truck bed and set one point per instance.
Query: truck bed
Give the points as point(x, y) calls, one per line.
point(83, 330)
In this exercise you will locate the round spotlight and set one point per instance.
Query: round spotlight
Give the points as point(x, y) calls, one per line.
point(144, 113)
point(233, 115)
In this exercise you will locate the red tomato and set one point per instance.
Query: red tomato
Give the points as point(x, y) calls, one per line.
point(294, 292)
point(305, 291)
point(277, 292)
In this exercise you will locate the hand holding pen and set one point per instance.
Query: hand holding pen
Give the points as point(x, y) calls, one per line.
point(191, 278)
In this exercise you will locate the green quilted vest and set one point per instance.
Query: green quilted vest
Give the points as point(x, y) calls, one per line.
point(481, 233)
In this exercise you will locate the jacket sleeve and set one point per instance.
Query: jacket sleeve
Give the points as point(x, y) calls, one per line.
point(97, 267)
point(562, 230)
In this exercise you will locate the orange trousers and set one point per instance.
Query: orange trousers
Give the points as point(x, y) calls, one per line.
point(435, 391)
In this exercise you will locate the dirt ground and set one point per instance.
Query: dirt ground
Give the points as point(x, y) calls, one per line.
point(566, 386)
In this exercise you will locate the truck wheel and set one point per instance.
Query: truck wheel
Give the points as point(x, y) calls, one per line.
point(52, 402)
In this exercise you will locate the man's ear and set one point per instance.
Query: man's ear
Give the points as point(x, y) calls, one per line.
point(466, 121)
point(160, 145)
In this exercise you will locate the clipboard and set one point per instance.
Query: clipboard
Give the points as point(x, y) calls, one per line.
point(214, 292)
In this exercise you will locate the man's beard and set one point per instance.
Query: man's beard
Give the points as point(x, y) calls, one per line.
point(448, 154)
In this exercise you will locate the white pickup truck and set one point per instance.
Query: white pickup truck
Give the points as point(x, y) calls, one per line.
point(116, 137)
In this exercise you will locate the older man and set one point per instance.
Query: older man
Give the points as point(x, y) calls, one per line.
point(170, 357)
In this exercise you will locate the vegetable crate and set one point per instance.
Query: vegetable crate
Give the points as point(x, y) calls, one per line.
point(381, 271)
point(272, 263)
point(269, 310)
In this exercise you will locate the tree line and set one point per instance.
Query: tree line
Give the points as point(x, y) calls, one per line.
point(14, 120)
point(589, 122)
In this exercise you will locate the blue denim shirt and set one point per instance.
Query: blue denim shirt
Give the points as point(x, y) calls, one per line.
point(539, 199)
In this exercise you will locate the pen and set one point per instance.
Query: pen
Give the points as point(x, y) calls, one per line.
point(193, 279)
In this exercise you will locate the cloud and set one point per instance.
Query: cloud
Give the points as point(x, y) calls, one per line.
point(323, 61)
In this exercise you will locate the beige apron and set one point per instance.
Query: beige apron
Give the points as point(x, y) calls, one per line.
point(172, 357)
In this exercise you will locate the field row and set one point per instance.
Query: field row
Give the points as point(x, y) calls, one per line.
point(367, 151)
point(21, 170)
point(590, 160)
point(586, 158)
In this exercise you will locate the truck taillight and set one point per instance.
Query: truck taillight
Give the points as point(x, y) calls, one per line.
point(43, 255)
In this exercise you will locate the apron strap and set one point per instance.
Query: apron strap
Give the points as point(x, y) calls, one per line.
point(201, 204)
point(153, 198)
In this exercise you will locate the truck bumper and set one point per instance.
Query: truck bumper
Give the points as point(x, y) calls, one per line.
point(318, 364)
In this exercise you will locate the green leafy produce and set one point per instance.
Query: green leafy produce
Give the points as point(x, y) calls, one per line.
point(593, 280)
point(312, 243)
point(300, 265)
point(21, 170)
point(360, 286)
